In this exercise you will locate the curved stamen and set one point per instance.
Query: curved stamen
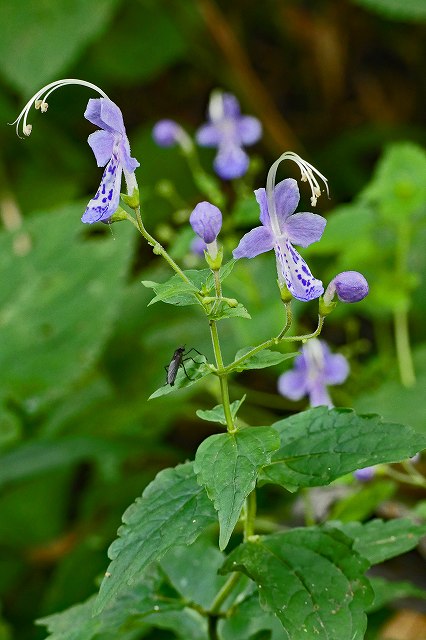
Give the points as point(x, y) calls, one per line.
point(40, 102)
point(308, 174)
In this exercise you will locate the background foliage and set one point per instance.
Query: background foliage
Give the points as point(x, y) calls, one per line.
point(80, 352)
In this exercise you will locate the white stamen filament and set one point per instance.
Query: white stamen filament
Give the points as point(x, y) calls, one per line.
point(308, 174)
point(40, 102)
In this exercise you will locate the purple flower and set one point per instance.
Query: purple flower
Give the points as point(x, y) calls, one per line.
point(198, 246)
point(111, 148)
point(167, 133)
point(229, 131)
point(366, 474)
point(350, 286)
point(313, 370)
point(206, 220)
point(279, 232)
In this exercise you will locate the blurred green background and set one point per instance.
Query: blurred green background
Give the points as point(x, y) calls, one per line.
point(340, 82)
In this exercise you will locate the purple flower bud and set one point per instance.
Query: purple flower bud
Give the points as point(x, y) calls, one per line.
point(350, 286)
point(366, 474)
point(206, 220)
point(166, 133)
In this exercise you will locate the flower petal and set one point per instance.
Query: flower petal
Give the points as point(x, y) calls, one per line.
point(305, 228)
point(105, 114)
point(105, 202)
point(206, 221)
point(298, 278)
point(263, 204)
point(258, 240)
point(292, 384)
point(231, 106)
point(231, 162)
point(318, 395)
point(102, 144)
point(208, 135)
point(286, 199)
point(249, 129)
point(129, 163)
point(336, 368)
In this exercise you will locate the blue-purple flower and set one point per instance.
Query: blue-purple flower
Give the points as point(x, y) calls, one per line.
point(365, 474)
point(167, 133)
point(279, 232)
point(111, 148)
point(349, 286)
point(314, 370)
point(229, 131)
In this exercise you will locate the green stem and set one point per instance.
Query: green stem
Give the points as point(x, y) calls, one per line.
point(402, 477)
point(224, 593)
point(223, 378)
point(275, 341)
point(250, 509)
point(403, 350)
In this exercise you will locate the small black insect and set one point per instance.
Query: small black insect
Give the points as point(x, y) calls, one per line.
point(178, 360)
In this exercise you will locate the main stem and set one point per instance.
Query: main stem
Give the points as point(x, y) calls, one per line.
point(223, 377)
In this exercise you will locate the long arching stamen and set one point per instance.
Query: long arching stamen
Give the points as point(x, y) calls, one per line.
point(308, 173)
point(39, 102)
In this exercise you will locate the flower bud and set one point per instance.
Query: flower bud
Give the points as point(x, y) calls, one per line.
point(167, 133)
point(365, 474)
point(206, 220)
point(350, 286)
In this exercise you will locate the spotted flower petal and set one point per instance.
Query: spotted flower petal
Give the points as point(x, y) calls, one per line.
point(102, 206)
point(296, 273)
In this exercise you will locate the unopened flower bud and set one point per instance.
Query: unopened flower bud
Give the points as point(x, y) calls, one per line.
point(206, 220)
point(167, 133)
point(349, 286)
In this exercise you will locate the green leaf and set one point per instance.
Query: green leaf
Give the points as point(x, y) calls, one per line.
point(173, 510)
point(385, 592)
point(227, 465)
point(58, 302)
point(260, 360)
point(405, 10)
point(398, 182)
point(173, 291)
point(217, 414)
point(248, 619)
point(195, 371)
point(41, 39)
point(187, 624)
point(320, 445)
point(311, 579)
point(142, 603)
point(193, 571)
point(378, 541)
point(363, 502)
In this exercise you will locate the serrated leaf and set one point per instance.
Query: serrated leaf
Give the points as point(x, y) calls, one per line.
point(378, 541)
point(320, 445)
point(386, 592)
point(143, 602)
point(217, 414)
point(174, 291)
point(174, 509)
point(195, 371)
point(260, 360)
point(410, 10)
point(311, 579)
point(227, 465)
